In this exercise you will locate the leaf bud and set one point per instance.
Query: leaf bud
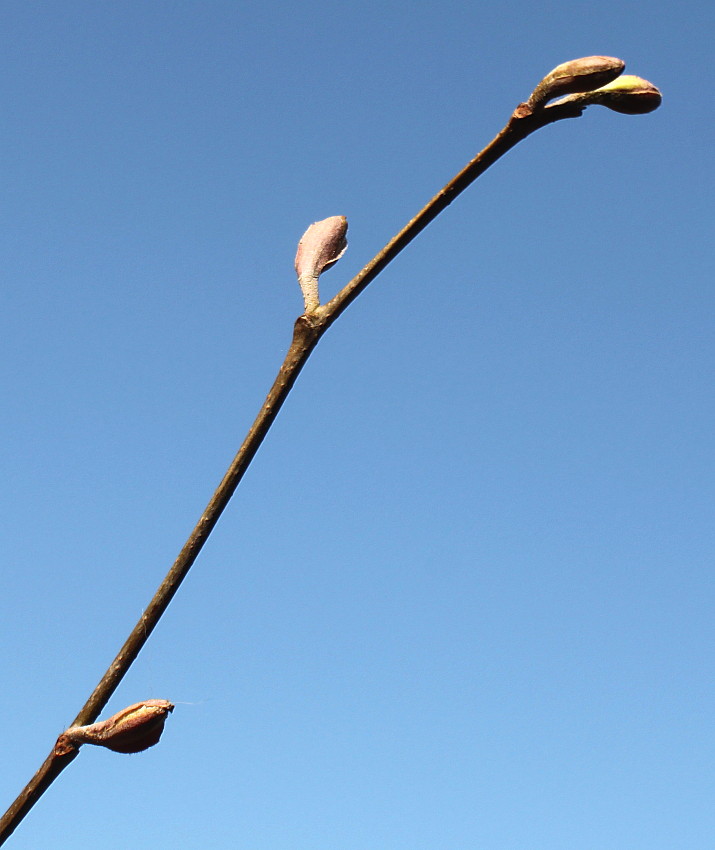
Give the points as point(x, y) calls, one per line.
point(322, 245)
point(131, 730)
point(629, 95)
point(578, 75)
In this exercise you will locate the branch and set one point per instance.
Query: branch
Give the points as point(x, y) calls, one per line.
point(518, 128)
point(309, 328)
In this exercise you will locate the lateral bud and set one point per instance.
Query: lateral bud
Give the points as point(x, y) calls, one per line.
point(577, 75)
point(320, 247)
point(131, 730)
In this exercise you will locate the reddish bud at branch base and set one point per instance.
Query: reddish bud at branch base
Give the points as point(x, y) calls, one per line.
point(131, 730)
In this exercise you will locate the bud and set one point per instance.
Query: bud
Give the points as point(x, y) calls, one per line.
point(322, 245)
point(578, 75)
point(629, 95)
point(131, 730)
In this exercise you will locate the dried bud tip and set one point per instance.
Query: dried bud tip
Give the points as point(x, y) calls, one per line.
point(131, 730)
point(578, 75)
point(629, 95)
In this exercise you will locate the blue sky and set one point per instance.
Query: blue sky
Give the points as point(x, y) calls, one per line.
point(463, 598)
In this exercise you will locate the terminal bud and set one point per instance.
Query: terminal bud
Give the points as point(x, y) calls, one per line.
point(629, 95)
point(578, 75)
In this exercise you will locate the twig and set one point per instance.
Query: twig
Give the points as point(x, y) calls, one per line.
point(307, 332)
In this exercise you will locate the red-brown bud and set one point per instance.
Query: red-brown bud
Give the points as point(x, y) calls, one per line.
point(322, 245)
point(578, 75)
point(131, 730)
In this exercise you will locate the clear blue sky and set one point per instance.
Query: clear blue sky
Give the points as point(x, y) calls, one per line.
point(464, 596)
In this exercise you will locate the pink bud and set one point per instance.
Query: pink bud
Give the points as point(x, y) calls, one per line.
point(131, 730)
point(322, 245)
